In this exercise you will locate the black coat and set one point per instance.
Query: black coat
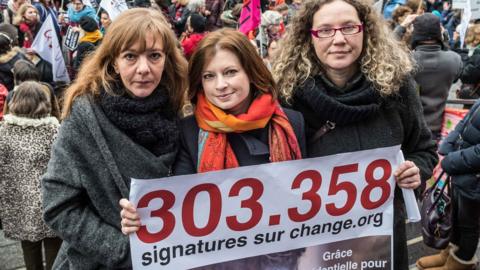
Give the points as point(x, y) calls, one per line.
point(399, 121)
point(462, 154)
point(471, 69)
point(250, 148)
point(6, 66)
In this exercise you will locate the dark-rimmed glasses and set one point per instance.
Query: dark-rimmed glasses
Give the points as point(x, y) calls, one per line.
point(330, 32)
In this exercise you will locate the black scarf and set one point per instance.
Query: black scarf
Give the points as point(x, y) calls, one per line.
point(320, 101)
point(148, 121)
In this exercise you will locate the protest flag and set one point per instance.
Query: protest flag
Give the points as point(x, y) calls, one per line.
point(114, 7)
point(250, 16)
point(46, 45)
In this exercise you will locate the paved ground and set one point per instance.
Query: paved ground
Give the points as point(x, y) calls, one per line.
point(10, 254)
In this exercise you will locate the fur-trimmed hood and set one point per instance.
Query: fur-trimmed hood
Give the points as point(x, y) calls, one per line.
point(30, 122)
point(5, 58)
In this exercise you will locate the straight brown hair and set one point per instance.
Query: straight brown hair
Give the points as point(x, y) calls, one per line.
point(30, 99)
point(133, 25)
point(237, 43)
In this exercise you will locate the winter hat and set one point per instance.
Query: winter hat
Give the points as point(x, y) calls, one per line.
point(271, 17)
point(437, 13)
point(11, 32)
point(426, 27)
point(88, 24)
point(198, 23)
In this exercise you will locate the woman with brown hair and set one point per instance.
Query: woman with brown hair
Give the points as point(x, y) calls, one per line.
point(237, 122)
point(342, 68)
point(120, 122)
point(26, 136)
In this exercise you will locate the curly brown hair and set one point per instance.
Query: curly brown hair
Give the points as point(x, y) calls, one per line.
point(384, 60)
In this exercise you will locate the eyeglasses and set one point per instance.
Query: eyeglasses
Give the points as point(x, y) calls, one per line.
point(330, 32)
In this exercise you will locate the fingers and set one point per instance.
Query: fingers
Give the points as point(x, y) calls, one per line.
point(129, 230)
point(130, 219)
point(407, 175)
point(409, 183)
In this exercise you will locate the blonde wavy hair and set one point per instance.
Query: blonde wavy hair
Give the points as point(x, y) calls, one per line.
point(97, 71)
point(384, 60)
point(19, 16)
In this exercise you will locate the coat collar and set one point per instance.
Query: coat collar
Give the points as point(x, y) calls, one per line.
point(30, 122)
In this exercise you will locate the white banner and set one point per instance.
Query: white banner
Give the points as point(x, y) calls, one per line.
point(459, 4)
point(475, 9)
point(46, 45)
point(339, 206)
point(114, 7)
point(466, 16)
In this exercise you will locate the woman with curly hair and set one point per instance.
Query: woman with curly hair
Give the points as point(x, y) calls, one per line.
point(340, 66)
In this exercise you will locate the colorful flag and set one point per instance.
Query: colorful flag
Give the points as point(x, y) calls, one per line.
point(250, 16)
point(114, 7)
point(46, 45)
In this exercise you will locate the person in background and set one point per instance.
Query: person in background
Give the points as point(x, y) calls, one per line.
point(461, 149)
point(77, 9)
point(23, 71)
point(284, 11)
point(437, 69)
point(272, 53)
point(270, 29)
point(196, 27)
point(294, 7)
point(178, 14)
point(339, 66)
point(470, 76)
point(45, 8)
point(26, 135)
point(238, 122)
point(11, 10)
point(230, 17)
point(105, 21)
point(10, 53)
point(213, 11)
point(90, 39)
point(27, 22)
point(119, 122)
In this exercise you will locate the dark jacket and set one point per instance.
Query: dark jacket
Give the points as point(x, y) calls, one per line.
point(399, 121)
point(83, 50)
point(178, 16)
point(471, 70)
point(437, 70)
point(250, 148)
point(91, 165)
point(213, 20)
point(6, 66)
point(462, 154)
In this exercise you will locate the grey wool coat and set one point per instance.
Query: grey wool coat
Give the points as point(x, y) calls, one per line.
point(25, 145)
point(89, 172)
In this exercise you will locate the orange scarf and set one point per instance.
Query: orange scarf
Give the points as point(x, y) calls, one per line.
point(214, 150)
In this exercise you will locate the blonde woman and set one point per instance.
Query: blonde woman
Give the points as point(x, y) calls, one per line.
point(27, 22)
point(350, 78)
point(120, 122)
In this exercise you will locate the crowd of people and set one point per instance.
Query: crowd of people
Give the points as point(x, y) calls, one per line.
point(172, 88)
